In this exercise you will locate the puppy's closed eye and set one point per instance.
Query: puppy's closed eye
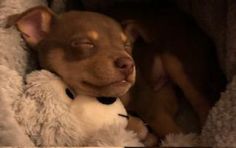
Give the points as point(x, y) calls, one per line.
point(82, 44)
point(79, 49)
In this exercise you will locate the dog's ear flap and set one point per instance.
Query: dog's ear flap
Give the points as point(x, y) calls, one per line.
point(34, 23)
point(134, 30)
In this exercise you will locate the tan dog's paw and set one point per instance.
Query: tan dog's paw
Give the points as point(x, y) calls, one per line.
point(138, 126)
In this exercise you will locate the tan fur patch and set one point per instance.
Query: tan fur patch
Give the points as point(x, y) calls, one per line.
point(123, 37)
point(93, 34)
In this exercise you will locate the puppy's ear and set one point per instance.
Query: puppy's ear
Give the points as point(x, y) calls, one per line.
point(134, 30)
point(34, 23)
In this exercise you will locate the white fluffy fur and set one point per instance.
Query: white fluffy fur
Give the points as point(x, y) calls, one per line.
point(120, 137)
point(13, 65)
point(181, 140)
point(44, 112)
point(13, 53)
point(11, 134)
point(94, 115)
point(220, 129)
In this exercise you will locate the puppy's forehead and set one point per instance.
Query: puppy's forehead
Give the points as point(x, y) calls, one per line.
point(90, 24)
point(88, 20)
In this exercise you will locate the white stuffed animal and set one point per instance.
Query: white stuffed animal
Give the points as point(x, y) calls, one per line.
point(51, 116)
point(96, 113)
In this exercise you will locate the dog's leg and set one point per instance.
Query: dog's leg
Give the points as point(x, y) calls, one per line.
point(165, 124)
point(177, 73)
point(165, 106)
point(155, 100)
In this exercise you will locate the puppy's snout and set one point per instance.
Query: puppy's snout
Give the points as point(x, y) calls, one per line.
point(125, 65)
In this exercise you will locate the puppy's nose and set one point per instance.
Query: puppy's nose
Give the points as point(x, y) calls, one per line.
point(125, 65)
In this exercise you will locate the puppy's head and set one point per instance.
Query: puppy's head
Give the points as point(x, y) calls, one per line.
point(89, 51)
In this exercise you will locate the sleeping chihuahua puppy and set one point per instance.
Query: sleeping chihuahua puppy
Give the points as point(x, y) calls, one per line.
point(89, 51)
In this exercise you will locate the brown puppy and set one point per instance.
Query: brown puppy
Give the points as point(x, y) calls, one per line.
point(89, 51)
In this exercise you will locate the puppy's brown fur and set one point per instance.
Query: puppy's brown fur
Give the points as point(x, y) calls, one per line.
point(89, 51)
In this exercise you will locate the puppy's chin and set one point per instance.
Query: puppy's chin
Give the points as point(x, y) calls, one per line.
point(115, 90)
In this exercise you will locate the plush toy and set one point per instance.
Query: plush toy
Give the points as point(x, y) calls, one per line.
point(96, 113)
point(51, 116)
